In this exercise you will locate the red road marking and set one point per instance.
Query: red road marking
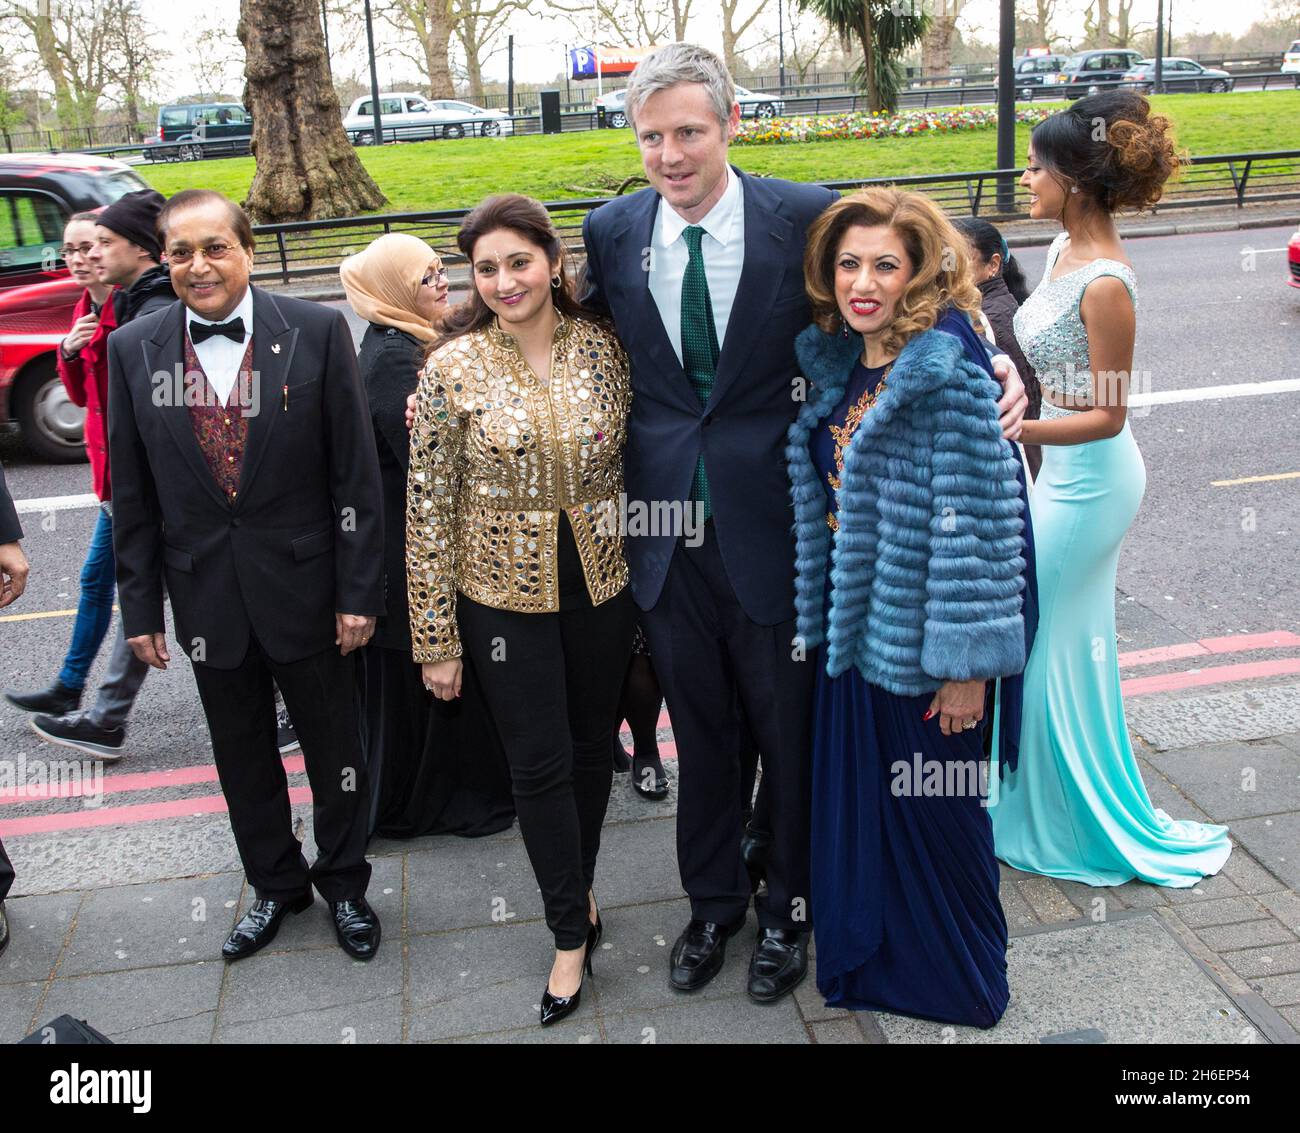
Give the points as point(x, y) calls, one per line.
point(1216, 674)
point(215, 804)
point(127, 815)
point(137, 781)
point(1237, 643)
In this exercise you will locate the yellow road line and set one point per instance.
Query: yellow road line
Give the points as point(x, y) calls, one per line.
point(1255, 479)
point(41, 614)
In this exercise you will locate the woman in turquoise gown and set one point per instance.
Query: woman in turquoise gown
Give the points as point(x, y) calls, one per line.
point(1075, 806)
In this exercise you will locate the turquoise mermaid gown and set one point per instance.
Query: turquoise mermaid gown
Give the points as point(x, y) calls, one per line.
point(1075, 807)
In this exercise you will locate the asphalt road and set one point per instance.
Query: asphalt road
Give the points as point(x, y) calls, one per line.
point(1203, 559)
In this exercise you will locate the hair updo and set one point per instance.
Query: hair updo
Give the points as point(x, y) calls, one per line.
point(1112, 147)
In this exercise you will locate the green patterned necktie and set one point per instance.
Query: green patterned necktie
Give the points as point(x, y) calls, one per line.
point(699, 344)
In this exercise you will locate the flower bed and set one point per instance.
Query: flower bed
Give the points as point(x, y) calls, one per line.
point(910, 123)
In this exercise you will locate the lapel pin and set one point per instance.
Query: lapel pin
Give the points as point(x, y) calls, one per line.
point(275, 348)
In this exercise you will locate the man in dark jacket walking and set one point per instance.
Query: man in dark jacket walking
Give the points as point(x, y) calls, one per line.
point(126, 253)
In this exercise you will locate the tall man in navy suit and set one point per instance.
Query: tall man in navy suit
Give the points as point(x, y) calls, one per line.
point(703, 275)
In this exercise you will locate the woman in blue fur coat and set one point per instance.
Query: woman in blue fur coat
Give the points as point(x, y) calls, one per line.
point(910, 561)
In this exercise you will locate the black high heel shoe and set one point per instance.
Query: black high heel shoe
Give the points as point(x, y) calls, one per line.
point(557, 1007)
point(648, 777)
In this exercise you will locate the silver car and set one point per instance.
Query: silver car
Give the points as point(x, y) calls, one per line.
point(751, 106)
point(406, 116)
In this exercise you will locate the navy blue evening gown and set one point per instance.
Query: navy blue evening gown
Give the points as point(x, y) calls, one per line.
point(904, 884)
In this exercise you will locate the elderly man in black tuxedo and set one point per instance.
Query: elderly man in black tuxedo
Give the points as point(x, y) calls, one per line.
point(245, 477)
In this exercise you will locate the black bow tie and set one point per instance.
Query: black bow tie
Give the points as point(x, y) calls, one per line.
point(201, 332)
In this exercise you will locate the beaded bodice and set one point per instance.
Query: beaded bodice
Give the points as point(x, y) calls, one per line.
point(1051, 331)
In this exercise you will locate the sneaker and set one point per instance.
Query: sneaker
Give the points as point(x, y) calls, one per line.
point(285, 736)
point(57, 700)
point(76, 730)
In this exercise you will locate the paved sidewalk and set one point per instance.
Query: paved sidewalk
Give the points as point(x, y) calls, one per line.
point(122, 927)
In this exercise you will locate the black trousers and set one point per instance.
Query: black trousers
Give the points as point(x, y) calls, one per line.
point(552, 683)
point(319, 692)
point(6, 873)
point(715, 663)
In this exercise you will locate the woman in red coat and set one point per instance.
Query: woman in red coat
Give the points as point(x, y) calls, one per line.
point(83, 368)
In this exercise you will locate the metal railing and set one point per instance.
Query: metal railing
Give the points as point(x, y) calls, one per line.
point(300, 250)
point(921, 96)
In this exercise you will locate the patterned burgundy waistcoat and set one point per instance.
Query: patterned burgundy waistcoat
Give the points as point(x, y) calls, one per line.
point(222, 430)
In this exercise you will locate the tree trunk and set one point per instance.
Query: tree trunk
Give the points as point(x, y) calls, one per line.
point(866, 32)
point(436, 41)
point(306, 167)
point(42, 28)
point(467, 33)
point(1103, 23)
point(729, 38)
point(936, 44)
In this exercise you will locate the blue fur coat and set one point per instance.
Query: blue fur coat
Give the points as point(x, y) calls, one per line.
point(926, 567)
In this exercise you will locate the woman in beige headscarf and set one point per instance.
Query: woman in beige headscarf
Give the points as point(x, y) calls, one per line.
point(434, 768)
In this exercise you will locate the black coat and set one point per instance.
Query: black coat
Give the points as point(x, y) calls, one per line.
point(10, 529)
point(302, 539)
point(390, 363)
point(1000, 307)
point(151, 292)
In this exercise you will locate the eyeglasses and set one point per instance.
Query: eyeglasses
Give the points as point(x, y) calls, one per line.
point(69, 250)
point(216, 251)
point(431, 277)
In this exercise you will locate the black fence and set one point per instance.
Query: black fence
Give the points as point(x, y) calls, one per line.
point(290, 252)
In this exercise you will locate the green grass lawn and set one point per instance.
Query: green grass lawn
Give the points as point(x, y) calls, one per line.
point(457, 174)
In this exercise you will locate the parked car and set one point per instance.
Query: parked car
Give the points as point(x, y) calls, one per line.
point(412, 117)
point(1293, 260)
point(38, 192)
point(615, 113)
point(199, 130)
point(1291, 58)
point(1177, 75)
point(1034, 72)
point(751, 106)
point(758, 105)
point(1091, 72)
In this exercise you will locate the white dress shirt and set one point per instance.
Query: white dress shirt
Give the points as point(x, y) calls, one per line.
point(723, 248)
point(220, 356)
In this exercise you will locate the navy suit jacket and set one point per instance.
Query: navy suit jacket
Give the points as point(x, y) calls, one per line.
point(756, 392)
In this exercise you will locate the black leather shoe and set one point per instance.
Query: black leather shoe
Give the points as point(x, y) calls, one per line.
point(257, 927)
point(648, 777)
point(357, 926)
point(754, 847)
point(56, 700)
point(778, 965)
point(699, 952)
point(4, 929)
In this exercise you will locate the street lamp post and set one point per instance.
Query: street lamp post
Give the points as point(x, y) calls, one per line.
point(374, 80)
point(1006, 104)
point(1160, 46)
point(780, 42)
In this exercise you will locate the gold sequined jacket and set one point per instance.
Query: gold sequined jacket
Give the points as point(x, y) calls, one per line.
point(495, 457)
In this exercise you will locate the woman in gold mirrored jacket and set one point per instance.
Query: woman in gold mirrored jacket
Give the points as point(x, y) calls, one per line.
point(514, 547)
